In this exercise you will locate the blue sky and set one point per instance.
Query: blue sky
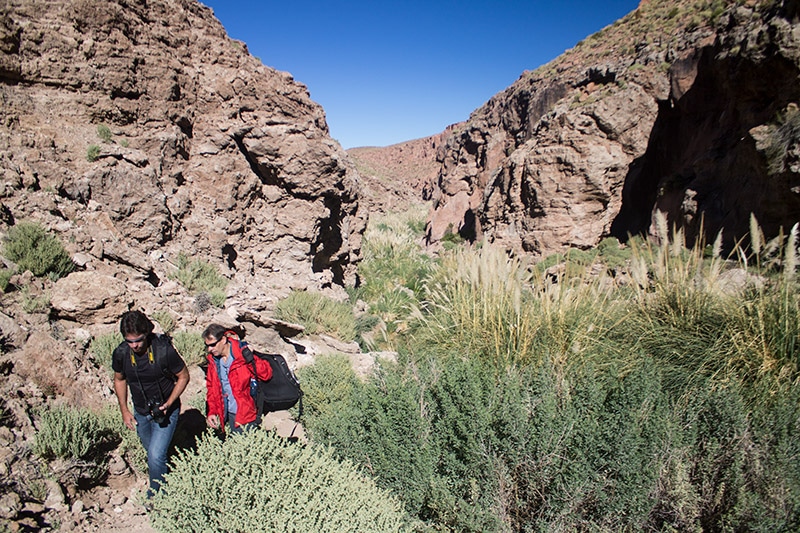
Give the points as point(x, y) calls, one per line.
point(393, 71)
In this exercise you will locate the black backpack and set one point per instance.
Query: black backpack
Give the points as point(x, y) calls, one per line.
point(280, 392)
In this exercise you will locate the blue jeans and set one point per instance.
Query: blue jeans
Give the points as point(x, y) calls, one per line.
point(156, 439)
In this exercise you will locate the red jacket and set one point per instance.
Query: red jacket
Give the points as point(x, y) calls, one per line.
point(239, 376)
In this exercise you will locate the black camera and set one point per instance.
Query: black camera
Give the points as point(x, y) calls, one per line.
point(158, 415)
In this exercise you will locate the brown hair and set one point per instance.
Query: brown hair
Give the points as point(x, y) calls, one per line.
point(135, 323)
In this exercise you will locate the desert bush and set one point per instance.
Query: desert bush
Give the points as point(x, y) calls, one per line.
point(32, 248)
point(470, 447)
point(199, 276)
point(68, 433)
point(104, 132)
point(92, 153)
point(378, 426)
point(318, 314)
point(34, 303)
point(198, 401)
point(102, 347)
point(272, 486)
point(327, 385)
point(5, 278)
point(165, 320)
point(190, 345)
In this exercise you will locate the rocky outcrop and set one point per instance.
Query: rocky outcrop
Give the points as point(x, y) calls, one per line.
point(680, 107)
point(398, 176)
point(194, 146)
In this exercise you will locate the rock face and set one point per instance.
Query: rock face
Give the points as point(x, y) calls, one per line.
point(140, 130)
point(677, 107)
point(397, 176)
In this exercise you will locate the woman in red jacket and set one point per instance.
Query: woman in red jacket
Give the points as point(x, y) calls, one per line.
point(228, 380)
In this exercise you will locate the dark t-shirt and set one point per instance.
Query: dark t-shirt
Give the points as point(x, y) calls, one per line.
point(146, 379)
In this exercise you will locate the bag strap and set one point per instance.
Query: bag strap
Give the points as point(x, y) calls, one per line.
point(158, 345)
point(247, 354)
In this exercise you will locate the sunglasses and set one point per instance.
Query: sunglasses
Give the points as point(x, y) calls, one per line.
point(212, 344)
point(137, 340)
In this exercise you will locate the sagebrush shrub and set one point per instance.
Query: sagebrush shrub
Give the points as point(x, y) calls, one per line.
point(199, 276)
point(190, 345)
point(5, 278)
point(327, 384)
point(68, 433)
point(104, 132)
point(130, 447)
point(256, 481)
point(92, 153)
point(34, 303)
point(32, 248)
point(165, 320)
point(377, 425)
point(102, 347)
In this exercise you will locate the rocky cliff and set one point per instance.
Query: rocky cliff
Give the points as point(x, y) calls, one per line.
point(686, 107)
point(394, 177)
point(140, 130)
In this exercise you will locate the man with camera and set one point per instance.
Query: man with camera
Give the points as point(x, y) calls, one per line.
point(156, 374)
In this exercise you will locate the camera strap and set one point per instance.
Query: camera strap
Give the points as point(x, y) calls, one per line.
point(151, 359)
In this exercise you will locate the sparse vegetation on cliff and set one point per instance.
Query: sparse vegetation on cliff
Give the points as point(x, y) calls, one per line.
point(32, 248)
point(202, 279)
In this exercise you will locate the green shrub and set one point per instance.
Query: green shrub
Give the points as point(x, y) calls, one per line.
point(198, 401)
point(377, 425)
point(34, 303)
point(271, 486)
point(318, 314)
point(92, 153)
point(104, 133)
point(327, 385)
point(32, 248)
point(68, 433)
point(199, 276)
point(102, 347)
point(190, 345)
point(165, 320)
point(5, 278)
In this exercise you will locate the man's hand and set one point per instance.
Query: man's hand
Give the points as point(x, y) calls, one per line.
point(129, 419)
point(213, 421)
